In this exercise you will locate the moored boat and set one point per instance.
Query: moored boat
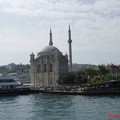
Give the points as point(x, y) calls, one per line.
point(11, 86)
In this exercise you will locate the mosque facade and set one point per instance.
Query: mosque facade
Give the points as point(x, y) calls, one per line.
point(49, 65)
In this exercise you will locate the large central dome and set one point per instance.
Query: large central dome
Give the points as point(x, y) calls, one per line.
point(50, 49)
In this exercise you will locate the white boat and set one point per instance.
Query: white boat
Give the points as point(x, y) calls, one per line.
point(9, 83)
point(11, 86)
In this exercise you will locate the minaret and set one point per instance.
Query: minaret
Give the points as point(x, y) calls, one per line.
point(32, 69)
point(50, 42)
point(32, 57)
point(70, 48)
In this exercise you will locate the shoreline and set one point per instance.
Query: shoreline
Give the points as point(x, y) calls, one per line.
point(82, 92)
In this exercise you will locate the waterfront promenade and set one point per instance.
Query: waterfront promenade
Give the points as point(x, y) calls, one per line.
point(111, 87)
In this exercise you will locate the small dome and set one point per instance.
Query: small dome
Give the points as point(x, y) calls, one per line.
point(49, 49)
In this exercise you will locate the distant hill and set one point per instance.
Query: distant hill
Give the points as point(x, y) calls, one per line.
point(20, 71)
point(77, 67)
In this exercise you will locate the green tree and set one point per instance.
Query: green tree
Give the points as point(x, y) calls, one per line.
point(96, 79)
point(108, 77)
point(102, 70)
point(91, 72)
point(67, 79)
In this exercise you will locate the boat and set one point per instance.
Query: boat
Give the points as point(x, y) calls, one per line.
point(11, 86)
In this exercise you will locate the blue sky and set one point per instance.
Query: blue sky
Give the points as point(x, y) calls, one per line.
point(95, 26)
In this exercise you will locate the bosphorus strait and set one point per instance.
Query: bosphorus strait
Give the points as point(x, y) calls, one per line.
point(58, 107)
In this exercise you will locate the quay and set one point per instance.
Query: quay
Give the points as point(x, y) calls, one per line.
point(113, 92)
point(107, 88)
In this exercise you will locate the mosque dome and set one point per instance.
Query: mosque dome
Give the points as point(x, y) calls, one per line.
point(50, 49)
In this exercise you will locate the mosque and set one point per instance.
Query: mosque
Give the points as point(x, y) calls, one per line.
point(50, 64)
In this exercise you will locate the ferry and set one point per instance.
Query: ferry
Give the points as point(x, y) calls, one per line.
point(11, 86)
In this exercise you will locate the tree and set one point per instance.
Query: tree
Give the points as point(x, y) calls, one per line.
point(96, 79)
point(67, 79)
point(91, 72)
point(102, 70)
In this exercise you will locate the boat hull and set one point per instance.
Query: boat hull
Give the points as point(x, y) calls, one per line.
point(19, 91)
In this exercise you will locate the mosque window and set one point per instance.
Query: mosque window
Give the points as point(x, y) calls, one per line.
point(51, 68)
point(45, 68)
point(39, 68)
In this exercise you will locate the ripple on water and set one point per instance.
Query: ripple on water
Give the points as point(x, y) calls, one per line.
point(58, 107)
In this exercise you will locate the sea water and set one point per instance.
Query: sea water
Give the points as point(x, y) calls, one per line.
point(58, 107)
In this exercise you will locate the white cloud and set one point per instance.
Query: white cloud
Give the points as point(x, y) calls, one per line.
point(41, 7)
point(95, 25)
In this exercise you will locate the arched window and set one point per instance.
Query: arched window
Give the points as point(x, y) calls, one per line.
point(50, 67)
point(39, 68)
point(45, 68)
